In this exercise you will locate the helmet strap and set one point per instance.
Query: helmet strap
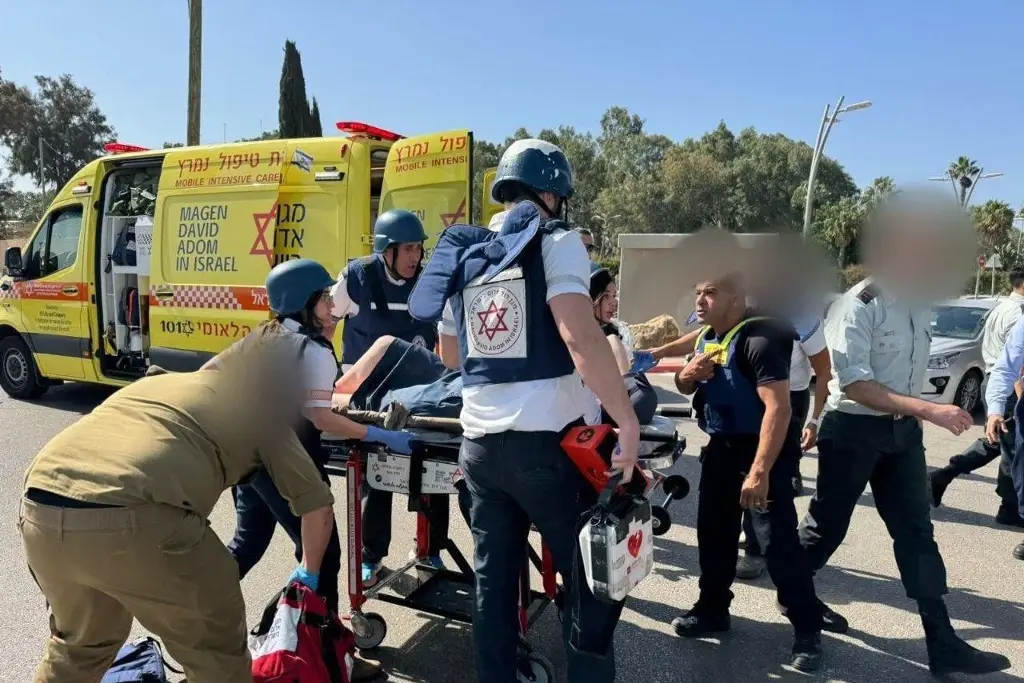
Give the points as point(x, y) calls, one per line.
point(390, 267)
point(561, 210)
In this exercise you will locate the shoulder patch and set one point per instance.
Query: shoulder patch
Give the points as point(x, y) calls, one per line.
point(868, 294)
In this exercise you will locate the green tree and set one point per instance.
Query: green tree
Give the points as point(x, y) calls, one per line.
point(173, 145)
point(876, 193)
point(993, 222)
point(22, 206)
point(840, 223)
point(294, 120)
point(17, 107)
point(316, 127)
point(265, 135)
point(72, 128)
point(964, 172)
point(698, 188)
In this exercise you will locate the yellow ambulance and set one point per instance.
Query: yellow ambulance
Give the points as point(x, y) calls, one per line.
point(159, 256)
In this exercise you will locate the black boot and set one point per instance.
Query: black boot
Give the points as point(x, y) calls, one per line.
point(1009, 516)
point(1018, 552)
point(940, 480)
point(701, 621)
point(806, 652)
point(831, 621)
point(946, 652)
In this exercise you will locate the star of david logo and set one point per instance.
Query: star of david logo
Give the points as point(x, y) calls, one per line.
point(449, 219)
point(492, 321)
point(261, 247)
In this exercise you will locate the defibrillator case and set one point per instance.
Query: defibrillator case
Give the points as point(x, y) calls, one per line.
point(617, 543)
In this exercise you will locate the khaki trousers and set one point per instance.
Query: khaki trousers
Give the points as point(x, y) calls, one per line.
point(164, 566)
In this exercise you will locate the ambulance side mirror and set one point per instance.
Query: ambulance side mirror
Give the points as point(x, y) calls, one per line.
point(12, 261)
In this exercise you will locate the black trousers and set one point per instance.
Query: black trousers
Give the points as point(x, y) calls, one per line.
point(888, 452)
point(981, 453)
point(725, 462)
point(801, 406)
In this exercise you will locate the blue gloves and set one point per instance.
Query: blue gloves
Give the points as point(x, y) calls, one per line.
point(303, 576)
point(399, 442)
point(643, 361)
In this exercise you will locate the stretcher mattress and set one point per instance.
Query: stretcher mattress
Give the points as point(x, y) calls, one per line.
point(439, 453)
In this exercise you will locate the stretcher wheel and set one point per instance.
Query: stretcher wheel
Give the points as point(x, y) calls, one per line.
point(535, 668)
point(369, 630)
point(660, 520)
point(676, 486)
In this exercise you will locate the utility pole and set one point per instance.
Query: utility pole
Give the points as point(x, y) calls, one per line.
point(195, 68)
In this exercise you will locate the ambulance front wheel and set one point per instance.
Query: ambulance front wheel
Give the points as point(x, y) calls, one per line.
point(19, 375)
point(534, 668)
point(369, 630)
point(660, 520)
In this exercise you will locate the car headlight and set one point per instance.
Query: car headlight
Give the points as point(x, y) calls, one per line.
point(943, 361)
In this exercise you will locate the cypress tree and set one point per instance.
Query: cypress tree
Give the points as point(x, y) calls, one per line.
point(293, 115)
point(316, 129)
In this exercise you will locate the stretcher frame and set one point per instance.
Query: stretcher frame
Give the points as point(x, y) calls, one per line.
point(349, 458)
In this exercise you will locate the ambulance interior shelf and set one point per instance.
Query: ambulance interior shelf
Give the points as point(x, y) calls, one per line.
point(125, 245)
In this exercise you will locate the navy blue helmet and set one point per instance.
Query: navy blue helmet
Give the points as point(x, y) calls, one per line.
point(397, 226)
point(532, 164)
point(291, 284)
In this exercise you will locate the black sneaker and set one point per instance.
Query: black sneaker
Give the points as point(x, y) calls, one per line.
point(832, 621)
point(806, 652)
point(939, 481)
point(1009, 517)
point(1018, 552)
point(949, 654)
point(698, 623)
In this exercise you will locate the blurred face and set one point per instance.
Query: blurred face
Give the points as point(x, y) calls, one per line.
point(718, 305)
point(607, 305)
point(406, 258)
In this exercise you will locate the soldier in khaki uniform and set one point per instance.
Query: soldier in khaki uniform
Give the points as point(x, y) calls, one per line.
point(114, 515)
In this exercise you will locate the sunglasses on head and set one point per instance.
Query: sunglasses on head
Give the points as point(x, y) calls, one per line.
point(589, 247)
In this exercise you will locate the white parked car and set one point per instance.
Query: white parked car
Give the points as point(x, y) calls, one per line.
point(955, 366)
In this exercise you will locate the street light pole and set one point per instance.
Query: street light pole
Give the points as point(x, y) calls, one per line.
point(195, 69)
point(827, 121)
point(978, 177)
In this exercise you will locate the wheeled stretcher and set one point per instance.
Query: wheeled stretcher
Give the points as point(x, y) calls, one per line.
point(433, 469)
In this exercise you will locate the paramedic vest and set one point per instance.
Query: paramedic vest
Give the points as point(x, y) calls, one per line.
point(728, 402)
point(498, 291)
point(383, 310)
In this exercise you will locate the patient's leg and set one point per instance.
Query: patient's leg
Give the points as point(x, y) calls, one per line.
point(360, 370)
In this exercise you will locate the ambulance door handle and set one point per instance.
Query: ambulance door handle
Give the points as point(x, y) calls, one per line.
point(163, 295)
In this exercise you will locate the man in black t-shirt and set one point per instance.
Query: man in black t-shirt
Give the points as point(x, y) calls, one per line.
point(740, 375)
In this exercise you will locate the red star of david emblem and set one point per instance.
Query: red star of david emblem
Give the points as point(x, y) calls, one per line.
point(492, 321)
point(260, 247)
point(449, 219)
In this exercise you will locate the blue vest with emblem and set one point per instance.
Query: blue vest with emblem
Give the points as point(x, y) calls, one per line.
point(498, 290)
point(383, 310)
point(729, 404)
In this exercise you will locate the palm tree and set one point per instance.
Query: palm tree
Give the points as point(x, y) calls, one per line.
point(994, 221)
point(841, 222)
point(875, 193)
point(964, 172)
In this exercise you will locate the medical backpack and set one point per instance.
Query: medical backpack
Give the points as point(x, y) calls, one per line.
point(140, 661)
point(299, 640)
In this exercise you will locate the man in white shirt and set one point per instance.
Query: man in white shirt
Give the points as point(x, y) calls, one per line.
point(997, 330)
point(519, 304)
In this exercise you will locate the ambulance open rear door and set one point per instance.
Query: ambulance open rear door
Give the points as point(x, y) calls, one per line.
point(490, 207)
point(431, 176)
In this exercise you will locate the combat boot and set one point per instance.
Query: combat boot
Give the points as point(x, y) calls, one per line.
point(947, 653)
point(701, 621)
point(1018, 552)
point(940, 481)
point(806, 652)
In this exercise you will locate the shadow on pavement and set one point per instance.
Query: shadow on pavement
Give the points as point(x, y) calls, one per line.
point(73, 397)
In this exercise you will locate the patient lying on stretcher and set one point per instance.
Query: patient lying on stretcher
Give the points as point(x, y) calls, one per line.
point(393, 370)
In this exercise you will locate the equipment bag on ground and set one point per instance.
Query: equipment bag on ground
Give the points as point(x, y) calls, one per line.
point(140, 661)
point(299, 640)
point(617, 543)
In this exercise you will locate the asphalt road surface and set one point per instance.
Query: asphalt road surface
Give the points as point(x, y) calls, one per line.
point(884, 644)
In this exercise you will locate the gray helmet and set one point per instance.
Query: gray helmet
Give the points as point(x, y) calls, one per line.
point(397, 226)
point(532, 164)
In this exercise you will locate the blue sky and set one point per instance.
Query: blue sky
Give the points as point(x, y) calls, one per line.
point(944, 76)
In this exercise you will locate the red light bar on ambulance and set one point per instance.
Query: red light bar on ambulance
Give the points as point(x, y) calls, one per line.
point(121, 148)
point(368, 130)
